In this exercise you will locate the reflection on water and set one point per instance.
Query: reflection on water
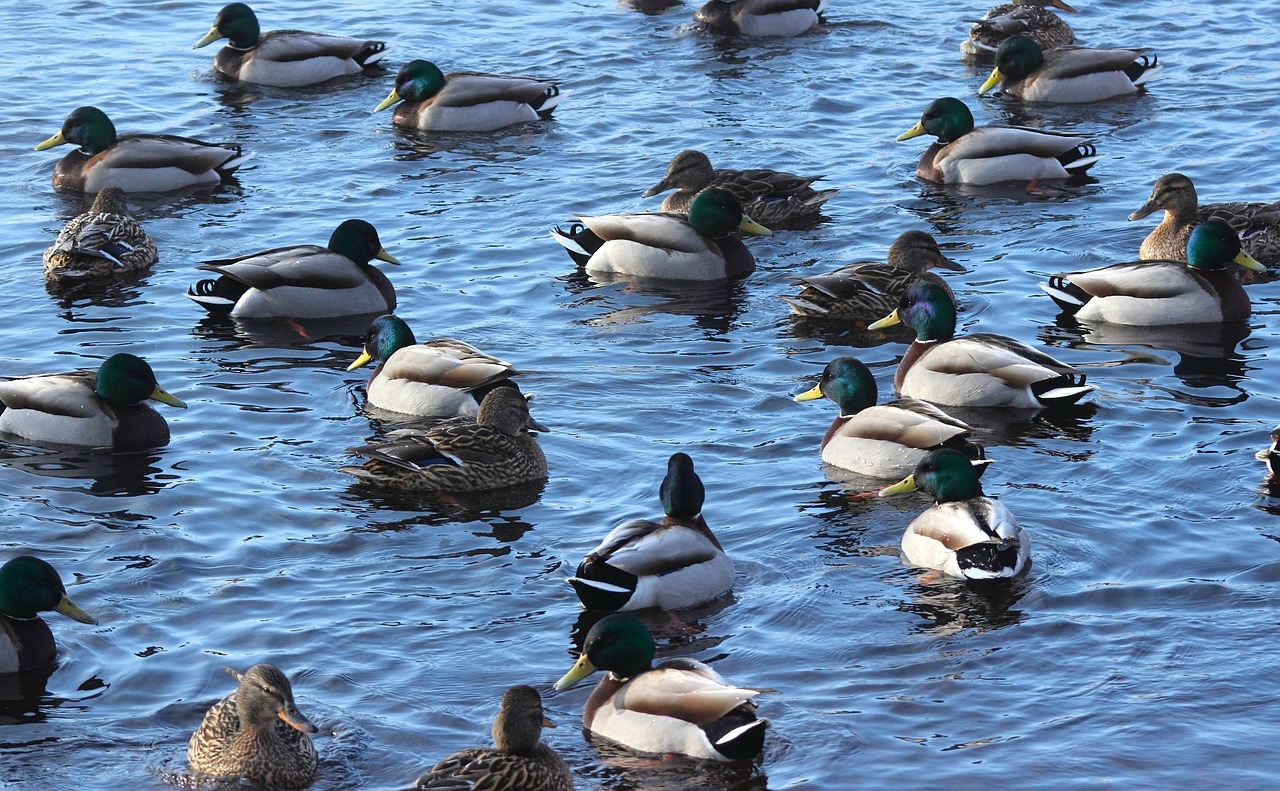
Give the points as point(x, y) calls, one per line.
point(107, 473)
point(620, 300)
point(951, 606)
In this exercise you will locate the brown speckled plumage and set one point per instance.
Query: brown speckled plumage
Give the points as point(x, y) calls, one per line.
point(101, 242)
point(1030, 18)
point(1257, 224)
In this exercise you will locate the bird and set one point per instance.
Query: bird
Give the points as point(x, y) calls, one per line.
point(102, 242)
point(1258, 224)
point(283, 58)
point(28, 587)
point(136, 163)
point(1027, 17)
point(1068, 75)
point(518, 761)
point(302, 281)
point(102, 408)
point(673, 563)
point(761, 17)
point(681, 706)
point(256, 733)
point(1270, 456)
point(990, 154)
point(466, 101)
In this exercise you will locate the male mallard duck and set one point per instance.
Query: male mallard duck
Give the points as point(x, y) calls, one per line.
point(681, 706)
point(303, 281)
point(1258, 224)
point(886, 440)
point(964, 534)
point(988, 154)
point(283, 58)
point(1271, 457)
point(775, 199)
point(761, 17)
point(466, 101)
point(102, 408)
point(981, 369)
point(667, 245)
point(518, 761)
point(256, 733)
point(672, 564)
point(1069, 75)
point(103, 241)
point(136, 163)
point(1161, 293)
point(28, 587)
point(1026, 17)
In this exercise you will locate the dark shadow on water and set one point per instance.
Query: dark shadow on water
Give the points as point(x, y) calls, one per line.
point(716, 308)
point(72, 294)
point(105, 473)
point(434, 509)
point(994, 427)
point(651, 7)
point(620, 769)
point(25, 699)
point(949, 606)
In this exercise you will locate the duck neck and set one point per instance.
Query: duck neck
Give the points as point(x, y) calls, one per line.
point(913, 353)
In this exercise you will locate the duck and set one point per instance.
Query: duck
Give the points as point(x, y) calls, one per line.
point(100, 409)
point(1068, 75)
point(256, 733)
point(28, 587)
point(977, 370)
point(1258, 224)
point(991, 154)
point(963, 534)
point(460, 455)
point(1270, 456)
point(136, 163)
point(103, 242)
point(518, 761)
point(466, 101)
point(776, 199)
point(776, 18)
point(681, 706)
point(1163, 293)
point(302, 281)
point(667, 245)
point(1031, 18)
point(284, 58)
point(672, 563)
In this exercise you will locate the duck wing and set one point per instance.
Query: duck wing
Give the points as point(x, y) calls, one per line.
point(309, 266)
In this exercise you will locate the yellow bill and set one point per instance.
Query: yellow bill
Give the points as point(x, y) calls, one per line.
point(888, 321)
point(391, 99)
point(69, 609)
point(56, 140)
point(164, 397)
point(752, 227)
point(907, 484)
point(364, 359)
point(383, 255)
point(580, 670)
point(810, 395)
point(210, 37)
point(914, 131)
point(992, 81)
point(1249, 262)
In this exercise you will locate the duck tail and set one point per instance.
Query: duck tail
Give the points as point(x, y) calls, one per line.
point(601, 586)
point(1062, 390)
point(1079, 159)
point(987, 560)
point(547, 102)
point(1143, 70)
point(579, 240)
point(217, 295)
point(803, 307)
point(371, 54)
point(738, 735)
point(1069, 297)
point(235, 161)
point(819, 197)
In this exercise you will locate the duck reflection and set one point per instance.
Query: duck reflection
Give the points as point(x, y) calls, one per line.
point(106, 473)
point(120, 291)
point(652, 7)
point(622, 770)
point(716, 307)
point(949, 606)
point(23, 696)
point(434, 509)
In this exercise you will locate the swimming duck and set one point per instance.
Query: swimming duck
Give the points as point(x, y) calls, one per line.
point(964, 534)
point(101, 242)
point(681, 706)
point(1258, 224)
point(466, 101)
point(518, 761)
point(761, 17)
point(1271, 457)
point(981, 369)
point(667, 245)
point(256, 733)
point(672, 564)
point(1026, 17)
point(1068, 75)
point(283, 58)
point(136, 163)
point(775, 199)
point(102, 408)
point(989, 154)
point(303, 281)
point(28, 587)
point(1162, 293)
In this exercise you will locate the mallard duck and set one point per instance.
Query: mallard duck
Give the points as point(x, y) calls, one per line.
point(102, 408)
point(136, 163)
point(964, 534)
point(303, 281)
point(284, 58)
point(672, 564)
point(28, 587)
point(1162, 293)
point(1068, 75)
point(1271, 457)
point(981, 369)
point(101, 242)
point(989, 154)
point(466, 101)
point(681, 706)
point(1026, 17)
point(761, 17)
point(1258, 224)
point(256, 733)
point(667, 245)
point(518, 761)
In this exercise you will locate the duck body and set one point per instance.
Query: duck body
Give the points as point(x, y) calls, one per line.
point(1257, 224)
point(1030, 18)
point(1270, 456)
point(465, 101)
point(761, 18)
point(102, 242)
point(1068, 75)
point(29, 586)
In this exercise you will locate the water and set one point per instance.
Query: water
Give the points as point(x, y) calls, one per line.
point(1131, 655)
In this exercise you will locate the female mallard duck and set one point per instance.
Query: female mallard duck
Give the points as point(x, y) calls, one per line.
point(775, 199)
point(761, 17)
point(681, 706)
point(101, 242)
point(1021, 17)
point(1271, 457)
point(466, 101)
point(1069, 75)
point(672, 564)
point(964, 534)
point(302, 281)
point(989, 154)
point(667, 245)
point(256, 733)
point(981, 369)
point(136, 163)
point(518, 761)
point(1162, 293)
point(28, 587)
point(284, 58)
point(460, 455)
point(1258, 224)
point(886, 440)
point(102, 408)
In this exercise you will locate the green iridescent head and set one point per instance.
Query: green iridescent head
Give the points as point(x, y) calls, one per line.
point(715, 212)
point(237, 23)
point(87, 127)
point(358, 240)
point(948, 475)
point(681, 491)
point(29, 586)
point(125, 379)
point(618, 643)
point(1214, 244)
point(417, 81)
point(947, 119)
point(386, 335)
point(847, 382)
